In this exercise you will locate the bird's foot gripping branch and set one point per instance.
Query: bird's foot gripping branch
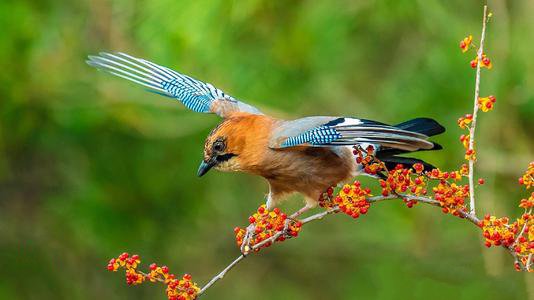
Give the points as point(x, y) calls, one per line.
point(452, 192)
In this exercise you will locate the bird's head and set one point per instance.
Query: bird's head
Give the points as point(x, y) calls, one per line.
point(221, 150)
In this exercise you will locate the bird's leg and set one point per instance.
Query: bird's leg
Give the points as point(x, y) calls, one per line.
point(301, 211)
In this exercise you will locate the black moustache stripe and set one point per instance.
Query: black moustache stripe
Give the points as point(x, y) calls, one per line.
point(225, 157)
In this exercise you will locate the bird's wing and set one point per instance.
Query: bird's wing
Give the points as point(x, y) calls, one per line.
point(339, 131)
point(194, 94)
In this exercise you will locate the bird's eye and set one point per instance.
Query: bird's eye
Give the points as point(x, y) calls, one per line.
point(218, 146)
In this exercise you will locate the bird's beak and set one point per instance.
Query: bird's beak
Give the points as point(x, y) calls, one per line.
point(205, 167)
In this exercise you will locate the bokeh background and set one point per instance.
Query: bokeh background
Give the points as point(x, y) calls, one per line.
point(91, 165)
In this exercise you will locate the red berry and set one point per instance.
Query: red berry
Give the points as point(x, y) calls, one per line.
point(251, 219)
point(187, 277)
point(135, 257)
point(492, 98)
point(462, 44)
point(261, 209)
point(330, 191)
point(153, 266)
point(276, 210)
point(236, 230)
point(486, 61)
point(165, 269)
point(110, 267)
point(474, 63)
point(481, 181)
point(363, 210)
point(521, 181)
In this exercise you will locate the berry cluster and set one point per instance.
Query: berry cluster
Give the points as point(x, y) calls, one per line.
point(366, 158)
point(517, 236)
point(451, 197)
point(177, 289)
point(465, 44)
point(528, 178)
point(464, 121)
point(527, 203)
point(401, 180)
point(351, 199)
point(498, 231)
point(486, 103)
point(484, 63)
point(266, 225)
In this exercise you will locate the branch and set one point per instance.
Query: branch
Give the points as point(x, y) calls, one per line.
point(475, 110)
point(320, 216)
point(220, 275)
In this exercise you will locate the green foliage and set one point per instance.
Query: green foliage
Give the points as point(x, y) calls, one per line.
point(91, 166)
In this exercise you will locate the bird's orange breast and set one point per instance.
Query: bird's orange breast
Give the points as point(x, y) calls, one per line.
point(308, 170)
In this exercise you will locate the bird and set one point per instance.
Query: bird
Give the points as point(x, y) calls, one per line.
point(306, 155)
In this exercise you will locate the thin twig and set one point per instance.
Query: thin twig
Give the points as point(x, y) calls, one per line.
point(475, 110)
point(220, 275)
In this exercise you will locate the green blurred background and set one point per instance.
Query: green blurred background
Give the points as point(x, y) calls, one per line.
point(91, 165)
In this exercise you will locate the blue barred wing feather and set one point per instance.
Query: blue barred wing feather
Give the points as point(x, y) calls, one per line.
point(194, 94)
point(339, 131)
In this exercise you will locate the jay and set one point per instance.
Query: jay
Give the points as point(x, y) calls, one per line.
point(306, 155)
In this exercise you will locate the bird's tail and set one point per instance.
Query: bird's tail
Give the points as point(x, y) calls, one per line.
point(426, 126)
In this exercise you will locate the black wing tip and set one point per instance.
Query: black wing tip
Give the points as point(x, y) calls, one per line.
point(427, 126)
point(407, 162)
point(436, 146)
